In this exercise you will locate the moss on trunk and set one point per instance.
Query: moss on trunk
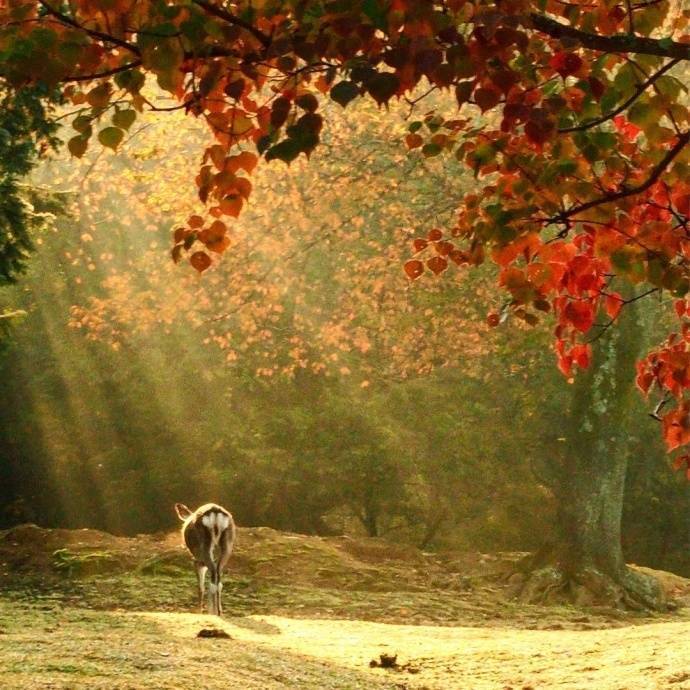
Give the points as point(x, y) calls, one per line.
point(586, 564)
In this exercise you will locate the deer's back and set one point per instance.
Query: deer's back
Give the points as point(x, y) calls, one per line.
point(206, 527)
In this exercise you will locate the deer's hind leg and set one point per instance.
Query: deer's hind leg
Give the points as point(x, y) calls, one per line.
point(224, 550)
point(201, 581)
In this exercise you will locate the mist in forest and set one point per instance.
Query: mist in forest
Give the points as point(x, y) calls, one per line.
point(301, 381)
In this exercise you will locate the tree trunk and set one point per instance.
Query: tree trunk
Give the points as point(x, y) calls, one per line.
point(585, 565)
point(370, 521)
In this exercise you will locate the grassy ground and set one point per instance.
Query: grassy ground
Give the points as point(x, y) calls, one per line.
point(86, 609)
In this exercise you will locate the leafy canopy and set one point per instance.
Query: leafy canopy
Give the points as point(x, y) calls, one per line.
point(582, 157)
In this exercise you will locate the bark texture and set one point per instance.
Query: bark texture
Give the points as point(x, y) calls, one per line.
point(586, 565)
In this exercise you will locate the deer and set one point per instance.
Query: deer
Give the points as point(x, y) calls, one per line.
point(209, 535)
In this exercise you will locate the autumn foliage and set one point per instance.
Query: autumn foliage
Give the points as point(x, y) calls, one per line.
point(581, 157)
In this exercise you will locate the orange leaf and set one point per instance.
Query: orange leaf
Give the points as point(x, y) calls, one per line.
point(414, 269)
point(243, 186)
point(245, 160)
point(437, 264)
point(217, 155)
point(413, 141)
point(676, 425)
point(419, 244)
point(231, 205)
point(200, 261)
point(613, 305)
point(220, 246)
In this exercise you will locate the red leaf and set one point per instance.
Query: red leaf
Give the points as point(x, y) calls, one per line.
point(566, 63)
point(413, 141)
point(565, 364)
point(493, 319)
point(644, 381)
point(539, 131)
point(437, 264)
point(613, 305)
point(582, 355)
point(435, 235)
point(414, 269)
point(580, 314)
point(676, 426)
point(487, 98)
point(627, 129)
point(200, 260)
point(419, 244)
point(682, 204)
point(597, 87)
point(444, 248)
point(681, 307)
point(458, 257)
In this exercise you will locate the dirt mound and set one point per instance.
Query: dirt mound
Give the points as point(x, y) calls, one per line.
point(675, 587)
point(286, 574)
point(260, 552)
point(33, 549)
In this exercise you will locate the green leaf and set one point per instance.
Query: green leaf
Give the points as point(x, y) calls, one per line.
point(77, 146)
point(431, 149)
point(264, 144)
point(566, 167)
point(344, 92)
point(604, 140)
point(375, 12)
point(383, 86)
point(99, 96)
point(287, 150)
point(111, 137)
point(82, 124)
point(131, 80)
point(610, 100)
point(307, 102)
point(625, 81)
point(124, 118)
point(642, 114)
point(463, 91)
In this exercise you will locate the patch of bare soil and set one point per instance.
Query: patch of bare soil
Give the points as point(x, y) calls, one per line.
point(647, 657)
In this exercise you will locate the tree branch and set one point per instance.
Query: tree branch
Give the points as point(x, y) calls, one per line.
point(617, 43)
point(641, 88)
point(101, 75)
point(632, 191)
point(107, 38)
point(219, 12)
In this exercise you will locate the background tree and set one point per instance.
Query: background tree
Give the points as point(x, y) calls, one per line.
point(26, 131)
point(559, 213)
point(153, 396)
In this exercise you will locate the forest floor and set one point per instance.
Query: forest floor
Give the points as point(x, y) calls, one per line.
point(85, 609)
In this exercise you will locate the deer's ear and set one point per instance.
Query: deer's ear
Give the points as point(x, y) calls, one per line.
point(182, 511)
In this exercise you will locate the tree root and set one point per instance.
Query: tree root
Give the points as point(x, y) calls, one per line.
point(588, 586)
